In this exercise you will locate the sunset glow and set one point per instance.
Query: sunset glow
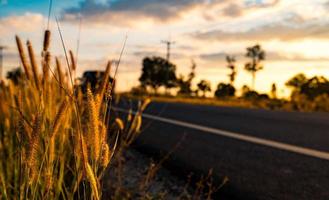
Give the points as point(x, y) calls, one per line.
point(294, 34)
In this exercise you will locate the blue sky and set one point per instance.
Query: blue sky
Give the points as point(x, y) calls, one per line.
point(19, 7)
point(294, 33)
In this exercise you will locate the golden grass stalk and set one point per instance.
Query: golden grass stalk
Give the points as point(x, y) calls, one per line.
point(94, 137)
point(51, 150)
point(23, 58)
point(105, 82)
point(34, 65)
point(92, 180)
point(49, 180)
point(21, 130)
point(83, 149)
point(48, 175)
point(59, 117)
point(57, 122)
point(134, 128)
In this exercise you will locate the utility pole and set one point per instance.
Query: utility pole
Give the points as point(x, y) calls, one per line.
point(168, 43)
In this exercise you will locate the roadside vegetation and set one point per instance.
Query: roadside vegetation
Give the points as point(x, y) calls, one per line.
point(57, 141)
point(308, 93)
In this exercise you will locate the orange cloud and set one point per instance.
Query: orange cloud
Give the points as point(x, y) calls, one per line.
point(268, 32)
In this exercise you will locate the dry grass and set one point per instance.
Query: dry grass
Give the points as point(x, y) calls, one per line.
point(300, 104)
point(205, 101)
point(55, 141)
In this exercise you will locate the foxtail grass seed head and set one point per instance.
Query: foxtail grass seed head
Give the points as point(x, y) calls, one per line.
point(34, 65)
point(45, 67)
point(94, 125)
point(83, 149)
point(105, 81)
point(105, 155)
point(34, 146)
point(51, 149)
point(20, 129)
point(103, 131)
point(46, 40)
point(51, 159)
point(119, 123)
point(129, 117)
point(73, 61)
point(59, 71)
point(145, 104)
point(49, 181)
point(138, 123)
point(23, 58)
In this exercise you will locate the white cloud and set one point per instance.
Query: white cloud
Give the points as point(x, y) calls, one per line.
point(29, 22)
point(150, 12)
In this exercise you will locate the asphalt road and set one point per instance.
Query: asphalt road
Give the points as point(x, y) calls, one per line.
point(255, 170)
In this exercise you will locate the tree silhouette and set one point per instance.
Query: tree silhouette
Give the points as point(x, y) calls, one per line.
point(231, 65)
point(224, 90)
point(249, 94)
point(256, 54)
point(274, 91)
point(93, 79)
point(315, 86)
point(192, 73)
point(311, 88)
point(158, 72)
point(245, 89)
point(185, 84)
point(16, 75)
point(297, 81)
point(204, 86)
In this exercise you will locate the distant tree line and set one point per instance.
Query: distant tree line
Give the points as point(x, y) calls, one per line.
point(158, 72)
point(307, 93)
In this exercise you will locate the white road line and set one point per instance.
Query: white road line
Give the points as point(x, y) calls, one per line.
point(238, 136)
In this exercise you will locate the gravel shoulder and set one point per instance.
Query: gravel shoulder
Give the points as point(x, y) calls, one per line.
point(136, 176)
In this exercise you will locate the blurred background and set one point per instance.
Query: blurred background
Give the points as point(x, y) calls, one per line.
point(293, 33)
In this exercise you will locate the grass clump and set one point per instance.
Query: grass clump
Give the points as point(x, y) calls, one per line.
point(55, 141)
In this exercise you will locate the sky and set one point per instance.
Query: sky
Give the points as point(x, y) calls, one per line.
point(293, 33)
